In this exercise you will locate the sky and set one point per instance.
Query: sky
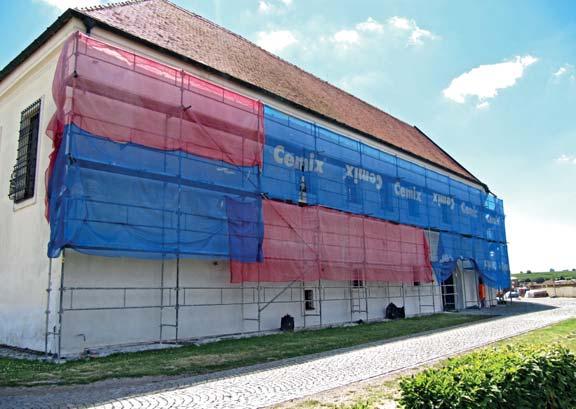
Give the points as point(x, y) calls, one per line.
point(492, 82)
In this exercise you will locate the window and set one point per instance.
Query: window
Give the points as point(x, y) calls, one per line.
point(24, 174)
point(309, 300)
point(357, 283)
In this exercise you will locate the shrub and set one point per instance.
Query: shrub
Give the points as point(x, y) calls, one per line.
point(508, 377)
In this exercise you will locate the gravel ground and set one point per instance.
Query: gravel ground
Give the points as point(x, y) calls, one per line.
point(270, 384)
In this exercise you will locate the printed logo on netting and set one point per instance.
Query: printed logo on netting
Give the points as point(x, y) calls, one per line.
point(306, 164)
point(492, 219)
point(442, 200)
point(490, 264)
point(446, 258)
point(468, 211)
point(364, 175)
point(407, 192)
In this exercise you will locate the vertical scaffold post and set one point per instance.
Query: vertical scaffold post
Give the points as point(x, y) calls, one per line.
point(461, 270)
point(177, 303)
point(433, 286)
point(162, 300)
point(419, 301)
point(61, 307)
point(320, 300)
point(47, 312)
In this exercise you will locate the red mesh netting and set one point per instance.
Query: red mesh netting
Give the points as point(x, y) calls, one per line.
point(311, 243)
point(117, 94)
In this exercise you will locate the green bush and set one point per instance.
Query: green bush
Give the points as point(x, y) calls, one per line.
point(509, 377)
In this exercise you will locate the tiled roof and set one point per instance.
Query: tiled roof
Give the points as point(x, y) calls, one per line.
point(192, 36)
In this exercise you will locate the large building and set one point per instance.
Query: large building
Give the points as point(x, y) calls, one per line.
point(166, 180)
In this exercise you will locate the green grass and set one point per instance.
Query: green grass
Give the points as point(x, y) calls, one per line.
point(194, 360)
point(563, 333)
point(546, 276)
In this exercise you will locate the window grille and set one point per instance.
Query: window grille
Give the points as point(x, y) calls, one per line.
point(23, 176)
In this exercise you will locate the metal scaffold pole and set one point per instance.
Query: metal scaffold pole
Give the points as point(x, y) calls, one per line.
point(61, 306)
point(47, 312)
point(177, 303)
point(162, 300)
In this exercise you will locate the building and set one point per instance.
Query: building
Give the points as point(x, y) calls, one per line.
point(196, 186)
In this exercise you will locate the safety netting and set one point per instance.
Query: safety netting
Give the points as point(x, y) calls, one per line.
point(307, 163)
point(146, 156)
point(309, 243)
point(150, 161)
point(489, 258)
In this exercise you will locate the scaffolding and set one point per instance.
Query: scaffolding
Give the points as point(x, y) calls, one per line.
point(252, 300)
point(150, 161)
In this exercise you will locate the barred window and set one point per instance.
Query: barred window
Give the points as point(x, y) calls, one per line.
point(24, 174)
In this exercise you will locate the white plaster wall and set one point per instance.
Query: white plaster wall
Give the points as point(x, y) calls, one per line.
point(24, 231)
point(204, 282)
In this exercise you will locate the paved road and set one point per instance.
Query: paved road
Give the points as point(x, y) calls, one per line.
point(274, 383)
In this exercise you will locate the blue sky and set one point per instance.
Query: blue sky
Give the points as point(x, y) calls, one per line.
point(493, 82)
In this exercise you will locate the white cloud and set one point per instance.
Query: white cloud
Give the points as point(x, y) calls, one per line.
point(567, 70)
point(483, 105)
point(370, 25)
point(484, 81)
point(275, 41)
point(273, 6)
point(566, 159)
point(561, 71)
point(264, 7)
point(417, 35)
point(400, 23)
point(346, 37)
point(66, 4)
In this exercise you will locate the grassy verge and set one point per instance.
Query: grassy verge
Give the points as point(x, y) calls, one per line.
point(228, 354)
point(384, 394)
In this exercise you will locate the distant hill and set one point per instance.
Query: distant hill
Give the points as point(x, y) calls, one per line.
point(546, 276)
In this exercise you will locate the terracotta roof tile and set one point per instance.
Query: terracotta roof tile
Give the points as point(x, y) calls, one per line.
point(190, 35)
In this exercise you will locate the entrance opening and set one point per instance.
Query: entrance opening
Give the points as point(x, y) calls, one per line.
point(449, 294)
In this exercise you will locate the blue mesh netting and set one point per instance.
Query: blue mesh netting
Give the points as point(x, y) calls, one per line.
point(490, 258)
point(344, 174)
point(118, 199)
point(304, 162)
point(125, 199)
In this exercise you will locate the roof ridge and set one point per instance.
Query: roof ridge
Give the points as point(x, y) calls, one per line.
point(368, 104)
point(97, 7)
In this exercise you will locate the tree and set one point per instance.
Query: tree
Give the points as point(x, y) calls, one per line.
point(528, 271)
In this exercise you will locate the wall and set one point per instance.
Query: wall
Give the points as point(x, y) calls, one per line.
point(24, 230)
point(562, 291)
point(206, 285)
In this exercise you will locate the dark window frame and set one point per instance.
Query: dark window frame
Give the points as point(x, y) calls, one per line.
point(309, 300)
point(23, 177)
